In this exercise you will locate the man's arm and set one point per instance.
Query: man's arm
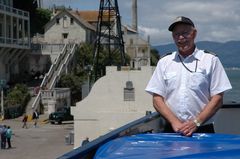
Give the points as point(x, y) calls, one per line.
point(209, 110)
point(164, 110)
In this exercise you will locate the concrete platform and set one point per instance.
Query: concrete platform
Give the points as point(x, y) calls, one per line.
point(46, 141)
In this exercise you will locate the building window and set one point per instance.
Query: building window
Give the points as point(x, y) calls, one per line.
point(131, 41)
point(65, 22)
point(129, 92)
point(65, 35)
point(1, 29)
point(71, 21)
point(57, 20)
point(6, 68)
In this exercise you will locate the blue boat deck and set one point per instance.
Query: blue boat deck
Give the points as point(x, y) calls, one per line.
point(163, 145)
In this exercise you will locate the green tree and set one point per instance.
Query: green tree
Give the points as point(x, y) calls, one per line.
point(154, 57)
point(84, 59)
point(43, 16)
point(18, 95)
point(38, 17)
point(74, 83)
point(104, 61)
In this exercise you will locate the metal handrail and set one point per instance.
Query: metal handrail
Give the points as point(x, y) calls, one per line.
point(46, 79)
point(63, 65)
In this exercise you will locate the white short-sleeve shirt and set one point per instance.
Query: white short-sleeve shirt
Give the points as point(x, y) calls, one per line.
point(188, 84)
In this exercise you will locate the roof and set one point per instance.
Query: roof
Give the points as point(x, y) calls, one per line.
point(71, 14)
point(92, 15)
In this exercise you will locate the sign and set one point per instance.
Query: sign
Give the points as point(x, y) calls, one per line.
point(2, 83)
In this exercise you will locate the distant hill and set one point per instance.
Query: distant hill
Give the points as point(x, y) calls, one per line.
point(228, 52)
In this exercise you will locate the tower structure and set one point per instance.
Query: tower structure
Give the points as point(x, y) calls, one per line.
point(134, 15)
point(109, 36)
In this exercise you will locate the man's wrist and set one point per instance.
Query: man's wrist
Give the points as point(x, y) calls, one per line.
point(197, 122)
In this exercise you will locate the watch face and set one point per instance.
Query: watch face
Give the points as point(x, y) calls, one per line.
point(197, 123)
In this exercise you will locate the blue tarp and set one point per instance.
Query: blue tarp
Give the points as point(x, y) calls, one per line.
point(170, 145)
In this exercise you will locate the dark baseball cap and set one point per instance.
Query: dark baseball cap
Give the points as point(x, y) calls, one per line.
point(180, 19)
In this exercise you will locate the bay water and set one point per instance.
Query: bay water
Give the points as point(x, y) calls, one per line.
point(233, 95)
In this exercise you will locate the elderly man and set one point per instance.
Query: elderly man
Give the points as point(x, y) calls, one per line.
point(188, 85)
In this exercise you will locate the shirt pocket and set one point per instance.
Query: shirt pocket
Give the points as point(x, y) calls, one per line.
point(198, 81)
point(170, 80)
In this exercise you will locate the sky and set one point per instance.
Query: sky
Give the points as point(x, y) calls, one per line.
point(215, 20)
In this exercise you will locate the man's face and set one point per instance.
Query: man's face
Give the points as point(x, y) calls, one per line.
point(183, 36)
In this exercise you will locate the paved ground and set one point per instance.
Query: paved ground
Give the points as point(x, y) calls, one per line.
point(46, 141)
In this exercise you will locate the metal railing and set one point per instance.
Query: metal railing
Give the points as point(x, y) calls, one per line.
point(47, 78)
point(55, 71)
point(63, 65)
point(13, 11)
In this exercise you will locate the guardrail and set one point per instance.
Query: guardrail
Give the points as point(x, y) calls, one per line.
point(47, 48)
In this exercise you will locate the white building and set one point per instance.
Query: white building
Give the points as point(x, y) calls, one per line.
point(14, 39)
point(68, 27)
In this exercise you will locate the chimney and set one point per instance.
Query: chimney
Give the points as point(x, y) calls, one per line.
point(134, 15)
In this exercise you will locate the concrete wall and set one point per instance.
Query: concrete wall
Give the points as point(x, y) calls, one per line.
point(104, 109)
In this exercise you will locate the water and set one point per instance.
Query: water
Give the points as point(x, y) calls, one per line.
point(234, 94)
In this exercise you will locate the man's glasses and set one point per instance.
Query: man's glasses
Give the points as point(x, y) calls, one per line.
point(184, 34)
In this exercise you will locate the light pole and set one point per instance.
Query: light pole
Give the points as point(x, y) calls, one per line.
point(89, 69)
point(2, 85)
point(2, 106)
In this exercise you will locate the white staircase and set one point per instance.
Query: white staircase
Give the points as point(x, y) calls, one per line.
point(59, 67)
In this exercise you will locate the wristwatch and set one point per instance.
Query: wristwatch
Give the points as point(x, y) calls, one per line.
point(198, 123)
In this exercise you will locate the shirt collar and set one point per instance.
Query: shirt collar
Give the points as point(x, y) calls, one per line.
point(197, 54)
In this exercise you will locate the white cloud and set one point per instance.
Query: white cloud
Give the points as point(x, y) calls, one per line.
point(149, 31)
point(155, 35)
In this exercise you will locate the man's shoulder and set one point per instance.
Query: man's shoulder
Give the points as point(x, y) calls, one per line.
point(166, 55)
point(209, 52)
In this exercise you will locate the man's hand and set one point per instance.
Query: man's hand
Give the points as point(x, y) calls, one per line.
point(188, 128)
point(176, 126)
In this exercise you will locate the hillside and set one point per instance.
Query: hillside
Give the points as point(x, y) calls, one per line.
point(228, 52)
